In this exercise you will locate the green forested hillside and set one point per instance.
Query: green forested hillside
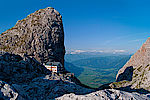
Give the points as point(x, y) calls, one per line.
point(95, 71)
point(74, 69)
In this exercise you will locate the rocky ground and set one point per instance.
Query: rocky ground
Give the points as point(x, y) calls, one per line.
point(107, 94)
point(25, 78)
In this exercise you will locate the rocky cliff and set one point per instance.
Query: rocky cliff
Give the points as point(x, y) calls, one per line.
point(136, 72)
point(24, 78)
point(17, 70)
point(39, 35)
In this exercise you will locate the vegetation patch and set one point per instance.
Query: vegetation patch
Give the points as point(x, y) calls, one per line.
point(119, 84)
point(140, 69)
point(135, 75)
point(147, 66)
point(5, 47)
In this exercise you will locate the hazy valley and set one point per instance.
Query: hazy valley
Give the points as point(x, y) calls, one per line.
point(95, 70)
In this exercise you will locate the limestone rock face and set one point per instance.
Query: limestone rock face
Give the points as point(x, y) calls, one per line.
point(24, 78)
point(8, 92)
point(17, 70)
point(136, 71)
point(43, 88)
point(40, 35)
point(107, 94)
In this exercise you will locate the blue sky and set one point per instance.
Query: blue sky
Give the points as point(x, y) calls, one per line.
point(89, 24)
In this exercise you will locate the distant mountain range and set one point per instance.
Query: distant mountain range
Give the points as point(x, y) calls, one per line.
point(96, 52)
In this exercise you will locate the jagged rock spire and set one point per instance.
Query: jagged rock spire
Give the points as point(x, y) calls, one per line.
point(40, 35)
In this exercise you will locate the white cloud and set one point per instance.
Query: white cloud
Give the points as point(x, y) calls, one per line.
point(82, 51)
point(119, 51)
point(96, 51)
point(77, 51)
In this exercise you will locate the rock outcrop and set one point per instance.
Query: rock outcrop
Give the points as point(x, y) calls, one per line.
point(26, 79)
point(17, 70)
point(45, 88)
point(10, 92)
point(136, 72)
point(107, 94)
point(40, 35)
point(7, 92)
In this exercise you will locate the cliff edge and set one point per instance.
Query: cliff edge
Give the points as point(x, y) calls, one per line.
point(39, 35)
point(136, 72)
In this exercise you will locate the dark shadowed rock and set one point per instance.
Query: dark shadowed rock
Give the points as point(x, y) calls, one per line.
point(44, 88)
point(27, 78)
point(39, 35)
point(8, 92)
point(136, 72)
point(17, 70)
point(126, 75)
